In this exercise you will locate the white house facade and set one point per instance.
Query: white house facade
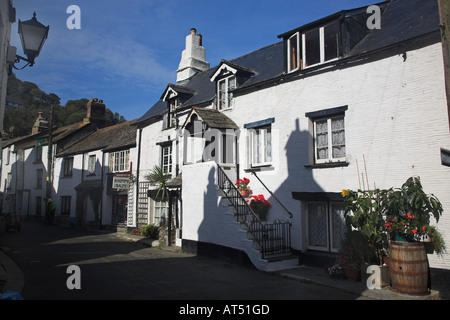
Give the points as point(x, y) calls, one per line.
point(329, 107)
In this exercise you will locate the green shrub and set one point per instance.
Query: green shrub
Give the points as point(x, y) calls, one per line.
point(150, 231)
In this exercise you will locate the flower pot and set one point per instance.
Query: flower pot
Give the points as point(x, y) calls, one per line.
point(245, 193)
point(352, 274)
point(429, 246)
point(408, 268)
point(261, 212)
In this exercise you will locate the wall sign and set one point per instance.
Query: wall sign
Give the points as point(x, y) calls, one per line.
point(120, 183)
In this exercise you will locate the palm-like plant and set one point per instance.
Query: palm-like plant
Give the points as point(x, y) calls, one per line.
point(157, 176)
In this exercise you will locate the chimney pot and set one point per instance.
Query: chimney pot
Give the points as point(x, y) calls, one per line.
point(193, 31)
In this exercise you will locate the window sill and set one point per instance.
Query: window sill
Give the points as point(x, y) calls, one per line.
point(267, 167)
point(327, 165)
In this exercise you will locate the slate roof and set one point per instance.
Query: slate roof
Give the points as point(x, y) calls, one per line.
point(214, 119)
point(401, 20)
point(111, 138)
point(30, 141)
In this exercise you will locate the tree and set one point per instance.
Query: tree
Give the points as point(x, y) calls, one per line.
point(21, 120)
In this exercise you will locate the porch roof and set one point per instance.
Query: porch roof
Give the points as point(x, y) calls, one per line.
point(212, 118)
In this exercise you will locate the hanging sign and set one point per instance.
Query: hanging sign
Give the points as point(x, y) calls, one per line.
point(120, 182)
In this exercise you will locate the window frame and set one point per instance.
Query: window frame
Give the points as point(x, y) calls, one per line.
point(259, 135)
point(173, 105)
point(322, 59)
point(226, 92)
point(38, 155)
point(66, 205)
point(331, 246)
point(117, 165)
point(290, 54)
point(39, 177)
point(160, 206)
point(91, 164)
point(169, 155)
point(68, 167)
point(330, 158)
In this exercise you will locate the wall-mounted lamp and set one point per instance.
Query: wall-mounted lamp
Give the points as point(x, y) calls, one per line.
point(32, 35)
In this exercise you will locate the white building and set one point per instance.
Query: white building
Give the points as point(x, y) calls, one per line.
point(331, 106)
point(7, 17)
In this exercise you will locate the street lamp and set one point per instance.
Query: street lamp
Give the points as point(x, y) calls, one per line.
point(32, 35)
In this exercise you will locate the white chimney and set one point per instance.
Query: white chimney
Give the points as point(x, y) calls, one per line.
point(193, 58)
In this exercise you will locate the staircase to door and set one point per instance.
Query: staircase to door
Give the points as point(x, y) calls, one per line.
point(272, 240)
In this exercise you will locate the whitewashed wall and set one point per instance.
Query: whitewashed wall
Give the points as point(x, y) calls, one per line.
point(396, 119)
point(65, 186)
point(24, 177)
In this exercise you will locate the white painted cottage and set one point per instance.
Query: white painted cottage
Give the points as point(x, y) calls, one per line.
point(330, 106)
point(91, 170)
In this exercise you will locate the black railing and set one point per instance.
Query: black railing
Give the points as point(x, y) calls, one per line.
point(273, 238)
point(271, 193)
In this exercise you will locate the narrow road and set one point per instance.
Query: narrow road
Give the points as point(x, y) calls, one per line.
point(113, 268)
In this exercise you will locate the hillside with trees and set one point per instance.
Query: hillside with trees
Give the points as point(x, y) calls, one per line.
point(19, 121)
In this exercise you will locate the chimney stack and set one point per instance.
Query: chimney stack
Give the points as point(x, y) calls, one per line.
point(40, 124)
point(95, 112)
point(193, 58)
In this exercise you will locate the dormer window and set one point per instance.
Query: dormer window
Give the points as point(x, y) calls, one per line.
point(170, 120)
point(313, 47)
point(224, 92)
point(174, 96)
point(293, 52)
point(228, 77)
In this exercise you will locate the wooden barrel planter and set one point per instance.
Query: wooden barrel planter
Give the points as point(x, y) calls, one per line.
point(408, 268)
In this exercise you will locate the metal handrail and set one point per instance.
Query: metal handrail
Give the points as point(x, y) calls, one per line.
point(271, 193)
point(273, 238)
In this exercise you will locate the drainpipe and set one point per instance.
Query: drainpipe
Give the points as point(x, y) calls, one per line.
point(102, 184)
point(49, 157)
point(136, 194)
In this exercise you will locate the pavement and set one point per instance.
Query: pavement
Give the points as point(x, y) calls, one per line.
point(13, 280)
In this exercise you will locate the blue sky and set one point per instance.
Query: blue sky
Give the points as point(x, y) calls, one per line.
point(127, 52)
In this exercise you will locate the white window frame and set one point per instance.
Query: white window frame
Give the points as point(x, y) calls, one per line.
point(228, 86)
point(227, 148)
point(166, 167)
point(160, 209)
point(289, 51)
point(119, 161)
point(330, 157)
point(330, 246)
point(258, 139)
point(91, 163)
point(322, 46)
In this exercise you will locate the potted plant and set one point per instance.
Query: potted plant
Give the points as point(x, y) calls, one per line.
point(408, 215)
point(364, 221)
point(349, 260)
point(260, 206)
point(242, 185)
point(365, 233)
point(336, 271)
